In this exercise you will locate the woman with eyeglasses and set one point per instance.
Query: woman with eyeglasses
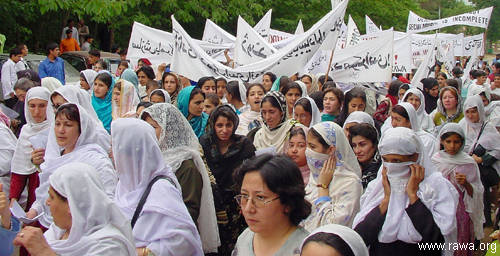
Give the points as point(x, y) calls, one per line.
point(272, 201)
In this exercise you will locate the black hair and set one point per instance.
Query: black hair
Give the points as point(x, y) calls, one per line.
point(70, 111)
point(453, 83)
point(158, 93)
point(319, 137)
point(272, 76)
point(331, 240)
point(297, 131)
point(103, 64)
point(284, 81)
point(69, 21)
point(429, 83)
point(227, 112)
point(64, 199)
point(394, 88)
point(220, 79)
point(170, 74)
point(95, 52)
point(318, 99)
point(145, 104)
point(31, 75)
point(213, 98)
point(51, 46)
point(306, 75)
point(148, 71)
point(282, 176)
point(306, 105)
point(442, 74)
point(87, 37)
point(337, 92)
point(400, 110)
point(289, 86)
point(253, 85)
point(194, 92)
point(404, 86)
point(480, 73)
point(273, 101)
point(105, 78)
point(328, 85)
point(204, 79)
point(445, 136)
point(355, 92)
point(233, 88)
point(364, 130)
point(497, 66)
point(321, 79)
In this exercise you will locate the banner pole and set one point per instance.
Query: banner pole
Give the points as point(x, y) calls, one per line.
point(329, 66)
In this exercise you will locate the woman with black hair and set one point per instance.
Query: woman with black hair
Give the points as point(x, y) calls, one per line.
point(292, 91)
point(431, 93)
point(272, 201)
point(335, 240)
point(364, 142)
point(355, 100)
point(268, 80)
point(234, 96)
point(251, 118)
point(391, 99)
point(144, 75)
point(207, 84)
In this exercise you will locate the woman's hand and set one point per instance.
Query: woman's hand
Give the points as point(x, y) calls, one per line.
point(31, 214)
point(33, 240)
point(387, 192)
point(462, 180)
point(4, 209)
point(417, 176)
point(326, 173)
point(37, 156)
point(479, 160)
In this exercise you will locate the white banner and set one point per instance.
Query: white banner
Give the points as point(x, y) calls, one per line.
point(425, 68)
point(335, 3)
point(264, 25)
point(420, 45)
point(154, 44)
point(300, 28)
point(368, 61)
point(471, 43)
point(353, 35)
point(191, 61)
point(459, 45)
point(480, 18)
point(445, 53)
point(250, 47)
point(342, 41)
point(216, 35)
point(370, 26)
point(276, 36)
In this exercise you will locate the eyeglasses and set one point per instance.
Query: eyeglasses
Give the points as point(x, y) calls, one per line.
point(258, 202)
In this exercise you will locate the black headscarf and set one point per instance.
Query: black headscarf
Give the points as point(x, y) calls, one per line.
point(430, 101)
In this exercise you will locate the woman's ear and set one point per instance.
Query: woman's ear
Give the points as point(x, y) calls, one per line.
point(330, 150)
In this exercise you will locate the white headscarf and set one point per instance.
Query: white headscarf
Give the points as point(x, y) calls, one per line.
point(51, 83)
point(89, 75)
point(447, 165)
point(75, 95)
point(303, 88)
point(21, 161)
point(359, 117)
point(138, 160)
point(86, 149)
point(128, 101)
point(97, 225)
point(166, 95)
point(314, 83)
point(315, 114)
point(493, 109)
point(437, 193)
point(424, 121)
point(243, 92)
point(350, 237)
point(179, 143)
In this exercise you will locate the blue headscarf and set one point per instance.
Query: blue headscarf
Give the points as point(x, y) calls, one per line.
point(129, 75)
point(103, 106)
point(198, 123)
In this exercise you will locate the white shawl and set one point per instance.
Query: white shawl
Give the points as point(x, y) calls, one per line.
point(166, 95)
point(359, 117)
point(350, 237)
point(315, 114)
point(21, 161)
point(128, 101)
point(97, 225)
point(51, 83)
point(424, 120)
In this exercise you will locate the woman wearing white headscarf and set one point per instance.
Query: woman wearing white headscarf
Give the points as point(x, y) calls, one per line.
point(462, 171)
point(306, 112)
point(124, 100)
point(51, 83)
point(417, 99)
point(311, 83)
point(252, 117)
point(39, 116)
point(482, 143)
point(406, 204)
point(491, 108)
point(87, 78)
point(161, 96)
point(181, 151)
point(72, 138)
point(357, 117)
point(163, 226)
point(343, 240)
point(86, 221)
point(75, 95)
point(334, 186)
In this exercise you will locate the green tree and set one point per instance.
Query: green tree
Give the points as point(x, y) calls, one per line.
point(494, 26)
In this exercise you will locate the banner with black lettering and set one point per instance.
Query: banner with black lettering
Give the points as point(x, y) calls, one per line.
point(370, 26)
point(250, 47)
point(480, 18)
point(264, 25)
point(353, 35)
point(191, 61)
point(471, 43)
point(154, 44)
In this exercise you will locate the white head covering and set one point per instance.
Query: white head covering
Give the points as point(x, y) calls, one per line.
point(359, 117)
point(438, 195)
point(179, 143)
point(166, 95)
point(350, 237)
point(94, 217)
point(315, 114)
point(51, 83)
point(303, 88)
point(421, 114)
point(21, 161)
point(243, 92)
point(447, 165)
point(90, 75)
point(314, 83)
point(128, 100)
point(138, 160)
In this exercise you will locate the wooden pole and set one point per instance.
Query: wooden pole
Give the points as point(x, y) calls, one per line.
point(329, 67)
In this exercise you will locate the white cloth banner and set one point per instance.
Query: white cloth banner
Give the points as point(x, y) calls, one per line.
point(353, 35)
point(250, 47)
point(154, 44)
point(276, 36)
point(342, 41)
point(264, 25)
point(445, 53)
point(420, 45)
point(402, 61)
point(459, 45)
point(300, 28)
point(426, 66)
point(480, 18)
point(191, 61)
point(471, 43)
point(335, 3)
point(370, 26)
point(216, 35)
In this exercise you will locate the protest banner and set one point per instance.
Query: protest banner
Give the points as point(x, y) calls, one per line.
point(300, 28)
point(154, 44)
point(426, 66)
point(370, 26)
point(215, 34)
point(471, 43)
point(191, 61)
point(480, 18)
point(250, 47)
point(353, 35)
point(264, 25)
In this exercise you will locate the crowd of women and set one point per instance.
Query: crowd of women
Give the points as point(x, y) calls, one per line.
point(132, 165)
